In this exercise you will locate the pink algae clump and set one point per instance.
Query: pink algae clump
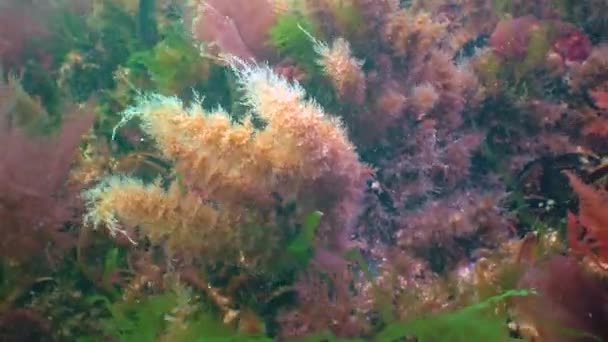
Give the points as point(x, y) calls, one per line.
point(600, 98)
point(20, 25)
point(572, 45)
point(511, 37)
point(238, 28)
point(35, 201)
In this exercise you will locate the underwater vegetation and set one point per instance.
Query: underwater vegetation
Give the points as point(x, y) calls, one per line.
point(304, 170)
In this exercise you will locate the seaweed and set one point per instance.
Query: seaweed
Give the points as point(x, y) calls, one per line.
point(300, 248)
point(473, 323)
point(146, 22)
point(172, 65)
point(332, 275)
point(290, 36)
point(142, 320)
point(167, 317)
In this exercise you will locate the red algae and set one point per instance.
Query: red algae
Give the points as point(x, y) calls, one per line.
point(20, 25)
point(588, 232)
point(238, 28)
point(405, 123)
point(511, 37)
point(600, 97)
point(573, 45)
point(34, 200)
point(569, 305)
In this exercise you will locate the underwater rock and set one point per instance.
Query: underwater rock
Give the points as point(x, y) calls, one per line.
point(24, 325)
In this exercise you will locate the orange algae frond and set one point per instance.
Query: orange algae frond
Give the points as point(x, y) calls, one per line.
point(318, 143)
point(163, 215)
point(208, 150)
point(228, 172)
point(413, 33)
point(280, 7)
point(343, 70)
point(424, 97)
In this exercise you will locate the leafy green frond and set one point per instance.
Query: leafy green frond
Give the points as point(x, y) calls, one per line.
point(475, 323)
point(289, 36)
